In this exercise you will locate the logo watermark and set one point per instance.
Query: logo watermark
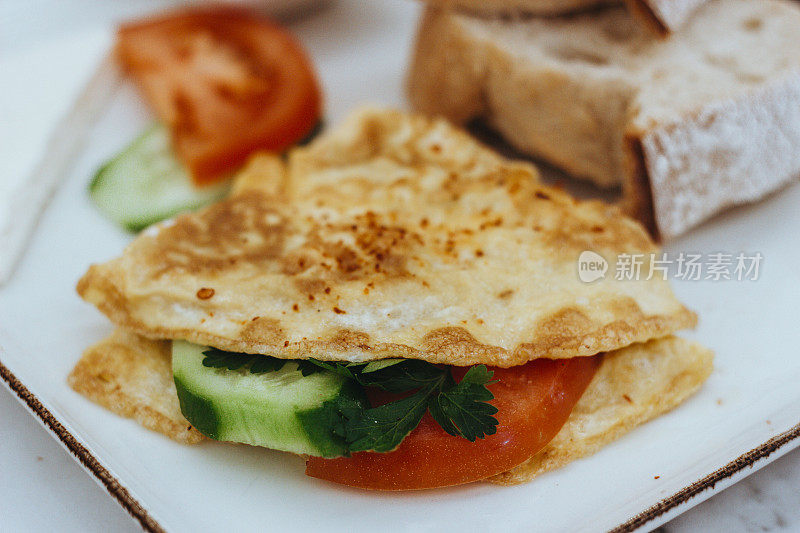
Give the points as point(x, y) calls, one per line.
point(591, 266)
point(685, 266)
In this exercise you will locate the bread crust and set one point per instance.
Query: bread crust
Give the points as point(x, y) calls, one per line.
point(727, 153)
point(460, 74)
point(523, 7)
point(664, 16)
point(637, 201)
point(665, 119)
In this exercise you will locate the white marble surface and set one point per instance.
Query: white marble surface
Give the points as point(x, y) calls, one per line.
point(768, 500)
point(43, 489)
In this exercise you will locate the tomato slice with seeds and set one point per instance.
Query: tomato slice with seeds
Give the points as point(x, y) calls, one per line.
point(533, 401)
point(226, 81)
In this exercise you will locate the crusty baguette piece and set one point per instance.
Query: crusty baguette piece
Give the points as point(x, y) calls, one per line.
point(688, 125)
point(526, 7)
point(664, 16)
point(661, 16)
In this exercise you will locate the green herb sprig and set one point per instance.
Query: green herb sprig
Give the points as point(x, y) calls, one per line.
point(460, 408)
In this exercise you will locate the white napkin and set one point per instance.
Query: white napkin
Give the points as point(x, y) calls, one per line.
point(40, 87)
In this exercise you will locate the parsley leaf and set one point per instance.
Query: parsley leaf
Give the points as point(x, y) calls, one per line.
point(343, 369)
point(307, 367)
point(215, 358)
point(462, 409)
point(405, 375)
point(259, 364)
point(380, 364)
point(383, 428)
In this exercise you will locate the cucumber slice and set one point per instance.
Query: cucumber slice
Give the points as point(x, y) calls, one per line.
point(282, 410)
point(145, 183)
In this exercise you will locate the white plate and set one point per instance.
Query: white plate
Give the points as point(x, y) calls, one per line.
point(644, 478)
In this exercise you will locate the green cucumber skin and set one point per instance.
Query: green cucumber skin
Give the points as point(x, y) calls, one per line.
point(120, 190)
point(297, 417)
point(198, 411)
point(145, 184)
point(317, 423)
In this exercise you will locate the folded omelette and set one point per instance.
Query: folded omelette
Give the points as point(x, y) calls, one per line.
point(394, 240)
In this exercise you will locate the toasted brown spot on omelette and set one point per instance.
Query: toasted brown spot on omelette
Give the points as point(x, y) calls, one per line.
point(244, 229)
point(205, 293)
point(567, 323)
point(263, 328)
point(348, 338)
point(310, 285)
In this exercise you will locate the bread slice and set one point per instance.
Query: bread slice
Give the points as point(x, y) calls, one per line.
point(664, 16)
point(661, 16)
point(688, 125)
point(527, 7)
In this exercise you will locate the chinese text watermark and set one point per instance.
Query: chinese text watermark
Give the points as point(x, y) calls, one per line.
point(686, 266)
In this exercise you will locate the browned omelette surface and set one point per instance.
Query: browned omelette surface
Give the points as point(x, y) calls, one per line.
point(393, 235)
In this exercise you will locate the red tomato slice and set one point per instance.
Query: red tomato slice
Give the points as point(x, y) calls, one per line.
point(227, 83)
point(533, 402)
